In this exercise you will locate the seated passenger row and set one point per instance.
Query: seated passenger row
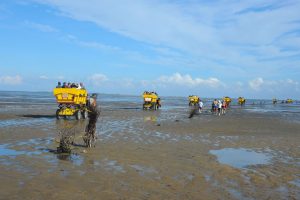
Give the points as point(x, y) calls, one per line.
point(70, 85)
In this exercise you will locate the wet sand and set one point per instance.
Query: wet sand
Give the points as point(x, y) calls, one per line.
point(151, 155)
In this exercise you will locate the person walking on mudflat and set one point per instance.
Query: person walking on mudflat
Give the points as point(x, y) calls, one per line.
point(224, 107)
point(90, 130)
point(219, 105)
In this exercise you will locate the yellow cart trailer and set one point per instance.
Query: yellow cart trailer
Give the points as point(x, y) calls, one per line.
point(71, 102)
point(151, 101)
point(227, 100)
point(241, 100)
point(193, 100)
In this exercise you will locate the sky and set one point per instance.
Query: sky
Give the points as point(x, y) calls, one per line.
point(211, 48)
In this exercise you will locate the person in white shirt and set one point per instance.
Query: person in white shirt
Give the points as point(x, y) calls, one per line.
point(200, 106)
point(219, 107)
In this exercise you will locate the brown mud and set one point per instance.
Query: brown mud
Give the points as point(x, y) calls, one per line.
point(150, 155)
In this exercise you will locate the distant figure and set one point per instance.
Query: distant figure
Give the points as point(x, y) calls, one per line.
point(58, 85)
point(81, 86)
point(224, 107)
point(73, 85)
point(219, 107)
point(200, 106)
point(215, 106)
point(64, 85)
point(158, 103)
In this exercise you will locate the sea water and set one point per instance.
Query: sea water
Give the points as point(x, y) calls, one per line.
point(10, 101)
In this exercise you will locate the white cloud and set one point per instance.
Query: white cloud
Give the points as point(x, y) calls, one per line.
point(11, 80)
point(256, 84)
point(187, 80)
point(126, 82)
point(97, 79)
point(40, 27)
point(276, 87)
point(216, 36)
point(44, 77)
point(92, 44)
point(201, 26)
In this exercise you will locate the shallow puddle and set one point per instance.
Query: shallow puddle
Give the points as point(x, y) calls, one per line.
point(241, 158)
point(5, 151)
point(74, 158)
point(296, 182)
point(24, 122)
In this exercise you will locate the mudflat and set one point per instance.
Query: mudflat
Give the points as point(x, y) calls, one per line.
point(151, 155)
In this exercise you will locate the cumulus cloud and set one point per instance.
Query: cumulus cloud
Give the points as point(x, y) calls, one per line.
point(97, 79)
point(275, 86)
point(256, 84)
point(187, 80)
point(11, 80)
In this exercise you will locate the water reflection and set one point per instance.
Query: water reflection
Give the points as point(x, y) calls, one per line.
point(241, 158)
point(76, 159)
point(151, 118)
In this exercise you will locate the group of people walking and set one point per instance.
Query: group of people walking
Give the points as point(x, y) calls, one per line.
point(219, 107)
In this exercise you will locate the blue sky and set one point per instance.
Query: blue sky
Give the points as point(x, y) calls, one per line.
point(207, 47)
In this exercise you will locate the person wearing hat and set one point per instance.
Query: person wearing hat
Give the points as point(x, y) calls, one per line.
point(64, 85)
point(58, 85)
point(93, 101)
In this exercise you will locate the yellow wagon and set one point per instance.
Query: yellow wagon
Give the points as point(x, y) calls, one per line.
point(193, 100)
point(241, 100)
point(227, 100)
point(71, 102)
point(151, 101)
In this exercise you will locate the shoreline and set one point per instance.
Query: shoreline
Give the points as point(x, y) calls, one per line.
point(150, 155)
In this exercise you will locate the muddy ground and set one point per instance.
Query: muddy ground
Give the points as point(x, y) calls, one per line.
point(151, 155)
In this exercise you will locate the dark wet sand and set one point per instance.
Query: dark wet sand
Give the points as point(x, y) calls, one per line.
point(149, 155)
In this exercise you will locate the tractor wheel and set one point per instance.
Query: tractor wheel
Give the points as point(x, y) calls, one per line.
point(78, 115)
point(57, 114)
point(84, 114)
point(154, 106)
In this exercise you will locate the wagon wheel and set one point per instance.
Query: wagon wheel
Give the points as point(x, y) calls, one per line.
point(84, 114)
point(78, 115)
point(154, 106)
point(57, 114)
